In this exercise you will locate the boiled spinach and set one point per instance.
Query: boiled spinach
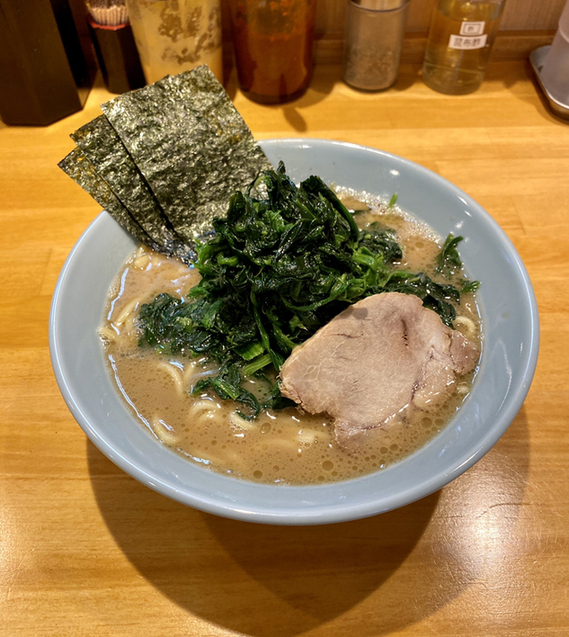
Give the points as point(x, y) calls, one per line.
point(282, 263)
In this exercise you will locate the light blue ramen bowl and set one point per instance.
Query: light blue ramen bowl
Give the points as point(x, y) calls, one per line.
point(511, 340)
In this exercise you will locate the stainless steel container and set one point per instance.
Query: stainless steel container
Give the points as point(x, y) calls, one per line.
point(373, 40)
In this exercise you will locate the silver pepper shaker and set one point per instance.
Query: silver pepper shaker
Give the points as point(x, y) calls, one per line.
point(373, 40)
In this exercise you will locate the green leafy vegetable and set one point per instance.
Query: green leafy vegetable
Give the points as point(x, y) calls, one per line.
point(448, 261)
point(282, 263)
point(470, 286)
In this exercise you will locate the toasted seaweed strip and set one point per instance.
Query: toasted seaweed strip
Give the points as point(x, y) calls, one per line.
point(80, 169)
point(190, 144)
point(105, 151)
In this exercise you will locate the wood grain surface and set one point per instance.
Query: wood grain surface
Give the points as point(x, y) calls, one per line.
point(86, 550)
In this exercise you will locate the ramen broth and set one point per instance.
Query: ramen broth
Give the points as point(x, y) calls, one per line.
point(280, 446)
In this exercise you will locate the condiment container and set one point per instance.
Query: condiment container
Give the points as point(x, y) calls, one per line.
point(176, 35)
point(460, 41)
point(555, 71)
point(372, 45)
point(273, 47)
point(114, 44)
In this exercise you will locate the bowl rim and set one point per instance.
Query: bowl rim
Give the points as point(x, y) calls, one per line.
point(215, 503)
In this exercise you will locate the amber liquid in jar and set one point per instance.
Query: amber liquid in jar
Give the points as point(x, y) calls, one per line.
point(459, 45)
point(273, 47)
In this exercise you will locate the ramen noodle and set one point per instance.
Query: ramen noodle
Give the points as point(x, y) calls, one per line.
point(279, 447)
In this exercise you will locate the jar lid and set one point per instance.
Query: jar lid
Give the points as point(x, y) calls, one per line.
point(380, 5)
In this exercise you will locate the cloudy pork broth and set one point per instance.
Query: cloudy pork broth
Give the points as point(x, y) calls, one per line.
point(280, 446)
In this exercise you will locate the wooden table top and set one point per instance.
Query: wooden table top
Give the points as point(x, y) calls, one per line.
point(87, 550)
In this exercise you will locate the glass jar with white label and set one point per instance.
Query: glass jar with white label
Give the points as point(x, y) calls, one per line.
point(460, 40)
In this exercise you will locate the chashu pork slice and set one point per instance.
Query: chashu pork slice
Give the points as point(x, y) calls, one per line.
point(376, 363)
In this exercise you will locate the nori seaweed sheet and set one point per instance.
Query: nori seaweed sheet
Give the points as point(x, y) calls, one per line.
point(191, 145)
point(107, 154)
point(164, 160)
point(80, 169)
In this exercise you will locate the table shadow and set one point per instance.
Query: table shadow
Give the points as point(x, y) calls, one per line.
point(271, 581)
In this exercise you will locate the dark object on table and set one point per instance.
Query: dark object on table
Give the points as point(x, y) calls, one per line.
point(117, 56)
point(46, 66)
point(116, 50)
